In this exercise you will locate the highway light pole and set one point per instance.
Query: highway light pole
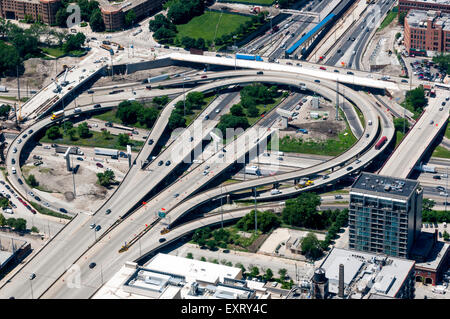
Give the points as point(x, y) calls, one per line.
point(256, 217)
point(221, 207)
point(184, 98)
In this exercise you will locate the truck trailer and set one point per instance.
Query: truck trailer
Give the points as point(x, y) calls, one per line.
point(249, 57)
point(106, 152)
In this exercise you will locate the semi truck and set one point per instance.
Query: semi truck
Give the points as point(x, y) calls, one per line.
point(73, 150)
point(253, 170)
point(106, 152)
point(426, 168)
point(3, 88)
point(249, 57)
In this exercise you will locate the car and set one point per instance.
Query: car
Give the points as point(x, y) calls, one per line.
point(46, 204)
point(218, 55)
point(426, 225)
point(323, 68)
point(176, 195)
point(317, 81)
point(25, 136)
point(63, 210)
point(37, 198)
point(431, 122)
point(443, 103)
point(204, 77)
point(32, 276)
point(46, 147)
point(350, 72)
point(99, 165)
point(108, 211)
point(161, 240)
point(298, 64)
point(325, 177)
point(13, 161)
point(167, 163)
point(436, 177)
point(19, 141)
point(31, 194)
point(96, 106)
point(337, 196)
point(20, 181)
point(260, 73)
point(92, 265)
point(357, 161)
point(353, 38)
point(54, 145)
point(80, 158)
point(206, 117)
point(14, 150)
point(440, 188)
point(337, 71)
point(205, 172)
point(166, 47)
point(191, 139)
point(92, 226)
point(349, 168)
point(150, 141)
point(30, 131)
point(218, 110)
point(339, 51)
point(98, 228)
point(220, 155)
point(160, 163)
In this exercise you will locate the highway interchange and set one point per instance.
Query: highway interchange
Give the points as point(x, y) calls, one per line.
point(132, 221)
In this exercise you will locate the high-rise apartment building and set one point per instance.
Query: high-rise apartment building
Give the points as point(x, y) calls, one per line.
point(43, 10)
point(385, 215)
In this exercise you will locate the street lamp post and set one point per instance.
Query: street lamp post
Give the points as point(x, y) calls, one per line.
point(184, 98)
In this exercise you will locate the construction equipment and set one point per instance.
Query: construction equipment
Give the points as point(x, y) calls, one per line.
point(164, 231)
point(58, 87)
point(64, 82)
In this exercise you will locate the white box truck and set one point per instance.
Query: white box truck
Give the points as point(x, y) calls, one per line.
point(253, 170)
point(275, 191)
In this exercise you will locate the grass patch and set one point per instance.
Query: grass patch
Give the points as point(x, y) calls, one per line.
point(361, 116)
point(332, 147)
point(399, 137)
point(191, 117)
point(11, 98)
point(46, 211)
point(447, 131)
point(441, 152)
point(392, 14)
point(264, 108)
point(53, 51)
point(96, 140)
point(204, 26)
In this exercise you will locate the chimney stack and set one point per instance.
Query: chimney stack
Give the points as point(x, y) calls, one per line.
point(341, 281)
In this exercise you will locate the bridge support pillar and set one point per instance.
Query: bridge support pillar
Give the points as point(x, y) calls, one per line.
point(228, 199)
point(129, 155)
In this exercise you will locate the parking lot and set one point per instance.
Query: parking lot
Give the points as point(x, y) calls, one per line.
point(427, 70)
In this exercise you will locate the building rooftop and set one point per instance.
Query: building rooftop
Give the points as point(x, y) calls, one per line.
point(378, 185)
point(419, 18)
point(433, 254)
point(366, 273)
point(431, 1)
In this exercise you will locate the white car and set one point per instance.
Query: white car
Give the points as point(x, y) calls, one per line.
point(92, 226)
point(443, 194)
point(218, 110)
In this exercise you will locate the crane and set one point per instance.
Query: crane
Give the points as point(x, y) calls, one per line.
point(58, 87)
point(64, 82)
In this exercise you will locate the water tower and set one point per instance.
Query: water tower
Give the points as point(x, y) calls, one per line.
point(319, 284)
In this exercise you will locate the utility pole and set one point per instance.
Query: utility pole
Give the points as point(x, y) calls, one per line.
point(221, 207)
point(73, 178)
point(256, 216)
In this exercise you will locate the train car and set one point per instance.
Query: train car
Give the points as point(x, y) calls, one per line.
point(249, 57)
point(380, 143)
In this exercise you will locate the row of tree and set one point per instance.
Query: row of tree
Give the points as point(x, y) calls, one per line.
point(415, 100)
point(56, 131)
point(194, 101)
point(432, 216)
point(443, 60)
point(19, 224)
point(131, 112)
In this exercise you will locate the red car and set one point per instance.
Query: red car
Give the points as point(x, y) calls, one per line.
point(204, 77)
point(99, 165)
point(322, 68)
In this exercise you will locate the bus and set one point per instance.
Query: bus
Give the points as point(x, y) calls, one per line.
point(57, 115)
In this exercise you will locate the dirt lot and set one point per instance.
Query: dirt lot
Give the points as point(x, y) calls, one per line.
point(38, 72)
point(318, 129)
point(54, 178)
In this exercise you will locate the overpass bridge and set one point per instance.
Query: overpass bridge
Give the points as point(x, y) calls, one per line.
point(419, 139)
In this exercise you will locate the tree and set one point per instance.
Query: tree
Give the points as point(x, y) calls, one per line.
point(176, 120)
point(239, 265)
point(74, 42)
point(428, 204)
point(4, 202)
point(25, 43)
point(72, 134)
point(2, 220)
point(106, 178)
point(9, 59)
point(34, 229)
point(161, 100)
point(302, 210)
point(96, 21)
point(399, 123)
point(416, 100)
point(202, 259)
point(32, 181)
point(159, 22)
point(211, 244)
point(4, 110)
point(282, 272)
point(268, 275)
point(164, 35)
point(130, 18)
point(253, 111)
point(266, 221)
point(83, 130)
point(311, 246)
point(54, 133)
point(254, 271)
point(190, 256)
point(401, 18)
point(148, 116)
point(128, 111)
point(187, 42)
point(106, 134)
point(446, 236)
point(67, 125)
point(237, 110)
point(123, 139)
point(61, 17)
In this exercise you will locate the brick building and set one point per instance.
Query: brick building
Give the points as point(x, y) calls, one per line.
point(438, 5)
point(44, 10)
point(427, 31)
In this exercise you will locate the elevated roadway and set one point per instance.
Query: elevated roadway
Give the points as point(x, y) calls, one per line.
point(103, 250)
point(420, 137)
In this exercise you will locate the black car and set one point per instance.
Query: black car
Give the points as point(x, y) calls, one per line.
point(350, 72)
point(37, 198)
point(150, 142)
point(96, 106)
point(62, 210)
point(30, 131)
point(260, 72)
point(349, 168)
point(166, 47)
point(108, 211)
point(161, 240)
point(13, 161)
point(167, 163)
point(92, 265)
point(98, 228)
point(405, 81)
point(317, 81)
point(20, 181)
point(160, 163)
